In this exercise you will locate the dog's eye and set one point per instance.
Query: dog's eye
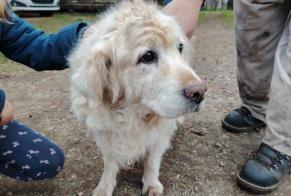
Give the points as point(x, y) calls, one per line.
point(180, 47)
point(148, 57)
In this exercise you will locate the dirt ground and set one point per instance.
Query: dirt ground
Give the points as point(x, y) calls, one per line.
point(203, 160)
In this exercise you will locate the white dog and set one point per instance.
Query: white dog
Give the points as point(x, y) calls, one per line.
point(130, 82)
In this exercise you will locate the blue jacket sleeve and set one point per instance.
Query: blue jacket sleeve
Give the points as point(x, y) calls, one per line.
point(22, 43)
point(2, 100)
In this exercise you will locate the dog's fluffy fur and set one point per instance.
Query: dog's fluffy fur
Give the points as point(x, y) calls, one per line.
point(131, 104)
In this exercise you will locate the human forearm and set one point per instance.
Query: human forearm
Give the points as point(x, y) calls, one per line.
point(34, 48)
point(186, 13)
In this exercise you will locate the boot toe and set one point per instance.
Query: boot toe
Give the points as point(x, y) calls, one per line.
point(241, 120)
point(259, 175)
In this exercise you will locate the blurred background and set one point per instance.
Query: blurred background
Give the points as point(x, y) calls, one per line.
point(48, 7)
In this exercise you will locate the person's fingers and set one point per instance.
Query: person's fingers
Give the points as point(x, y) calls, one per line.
point(88, 31)
point(7, 114)
point(5, 120)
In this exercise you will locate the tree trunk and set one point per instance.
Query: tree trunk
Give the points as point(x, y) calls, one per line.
point(211, 4)
point(220, 4)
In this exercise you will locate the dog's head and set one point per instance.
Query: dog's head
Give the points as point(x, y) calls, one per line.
point(136, 53)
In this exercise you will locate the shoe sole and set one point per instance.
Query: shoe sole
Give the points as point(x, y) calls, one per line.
point(233, 129)
point(255, 188)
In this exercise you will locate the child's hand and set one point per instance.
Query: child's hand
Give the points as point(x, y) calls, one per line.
point(7, 114)
point(87, 31)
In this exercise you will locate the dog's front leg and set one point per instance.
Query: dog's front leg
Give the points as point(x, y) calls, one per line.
point(151, 183)
point(108, 179)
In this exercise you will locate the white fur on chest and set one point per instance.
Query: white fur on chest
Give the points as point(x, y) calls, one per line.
point(124, 134)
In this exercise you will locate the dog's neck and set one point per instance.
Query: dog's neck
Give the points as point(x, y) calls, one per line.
point(134, 107)
point(151, 119)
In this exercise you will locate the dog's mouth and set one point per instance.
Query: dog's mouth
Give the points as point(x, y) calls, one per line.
point(190, 107)
point(194, 96)
point(174, 106)
point(193, 107)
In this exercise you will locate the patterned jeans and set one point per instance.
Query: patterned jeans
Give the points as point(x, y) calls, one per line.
point(27, 155)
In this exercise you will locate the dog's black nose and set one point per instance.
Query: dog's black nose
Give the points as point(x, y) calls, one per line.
point(195, 93)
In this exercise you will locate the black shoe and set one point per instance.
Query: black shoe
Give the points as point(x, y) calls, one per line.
point(241, 120)
point(265, 172)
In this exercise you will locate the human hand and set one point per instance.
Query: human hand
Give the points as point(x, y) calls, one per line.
point(87, 31)
point(185, 12)
point(7, 114)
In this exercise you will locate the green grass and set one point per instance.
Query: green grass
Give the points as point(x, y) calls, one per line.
point(8, 66)
point(59, 20)
point(225, 15)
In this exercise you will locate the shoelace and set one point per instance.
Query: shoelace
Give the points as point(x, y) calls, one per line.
point(280, 157)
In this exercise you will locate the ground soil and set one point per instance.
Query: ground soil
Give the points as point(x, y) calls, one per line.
point(203, 160)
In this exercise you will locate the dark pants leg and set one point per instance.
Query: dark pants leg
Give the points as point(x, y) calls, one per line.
point(259, 25)
point(28, 155)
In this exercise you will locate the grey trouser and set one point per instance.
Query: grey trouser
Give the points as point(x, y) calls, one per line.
point(264, 66)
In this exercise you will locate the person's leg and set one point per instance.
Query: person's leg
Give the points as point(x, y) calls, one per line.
point(273, 159)
point(259, 25)
point(278, 132)
point(27, 155)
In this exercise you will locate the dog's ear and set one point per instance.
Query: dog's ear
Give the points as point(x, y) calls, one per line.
point(97, 78)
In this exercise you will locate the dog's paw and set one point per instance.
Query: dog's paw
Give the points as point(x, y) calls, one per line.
point(153, 190)
point(100, 192)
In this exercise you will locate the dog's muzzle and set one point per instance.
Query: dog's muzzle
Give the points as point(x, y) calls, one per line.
point(195, 94)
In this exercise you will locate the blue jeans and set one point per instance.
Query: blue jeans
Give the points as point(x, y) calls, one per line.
point(27, 155)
